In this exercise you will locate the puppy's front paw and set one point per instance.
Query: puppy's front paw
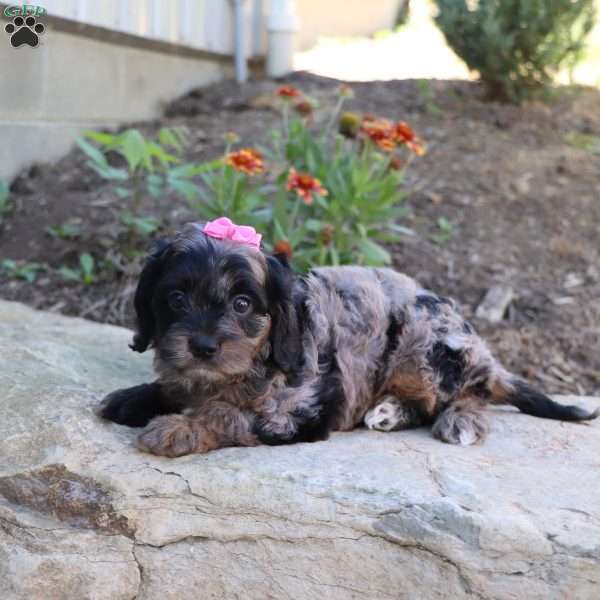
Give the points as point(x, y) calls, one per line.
point(175, 435)
point(122, 407)
point(134, 406)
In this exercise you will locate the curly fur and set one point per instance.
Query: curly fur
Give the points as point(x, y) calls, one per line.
point(312, 354)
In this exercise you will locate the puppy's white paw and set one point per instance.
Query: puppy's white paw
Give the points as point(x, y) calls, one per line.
point(382, 417)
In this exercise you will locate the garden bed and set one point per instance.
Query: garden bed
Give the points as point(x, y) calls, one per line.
point(505, 195)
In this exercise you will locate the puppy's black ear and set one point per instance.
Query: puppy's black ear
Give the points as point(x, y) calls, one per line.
point(144, 293)
point(286, 341)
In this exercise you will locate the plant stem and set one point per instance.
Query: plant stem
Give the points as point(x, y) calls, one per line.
point(285, 120)
point(334, 117)
point(294, 215)
point(234, 193)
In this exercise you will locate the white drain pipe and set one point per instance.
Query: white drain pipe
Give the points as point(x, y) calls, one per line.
point(281, 26)
point(258, 23)
point(241, 61)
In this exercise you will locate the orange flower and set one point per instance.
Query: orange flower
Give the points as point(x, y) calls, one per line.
point(404, 134)
point(246, 160)
point(288, 91)
point(304, 185)
point(283, 247)
point(380, 132)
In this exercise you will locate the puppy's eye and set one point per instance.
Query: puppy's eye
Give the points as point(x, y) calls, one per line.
point(176, 300)
point(242, 304)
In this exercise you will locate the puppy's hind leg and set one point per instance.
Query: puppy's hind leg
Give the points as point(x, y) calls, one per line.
point(461, 423)
point(136, 406)
point(393, 414)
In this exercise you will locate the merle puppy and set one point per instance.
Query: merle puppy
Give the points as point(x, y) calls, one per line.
point(248, 352)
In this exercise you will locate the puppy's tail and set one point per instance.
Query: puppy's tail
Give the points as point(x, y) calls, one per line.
point(509, 389)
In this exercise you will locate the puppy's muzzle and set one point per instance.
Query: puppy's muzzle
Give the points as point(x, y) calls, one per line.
point(203, 346)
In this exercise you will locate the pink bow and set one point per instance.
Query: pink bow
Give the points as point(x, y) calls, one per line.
point(224, 229)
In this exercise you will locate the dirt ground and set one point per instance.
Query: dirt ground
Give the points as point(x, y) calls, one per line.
point(523, 204)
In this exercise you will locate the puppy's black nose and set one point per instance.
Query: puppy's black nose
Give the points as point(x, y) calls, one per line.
point(203, 346)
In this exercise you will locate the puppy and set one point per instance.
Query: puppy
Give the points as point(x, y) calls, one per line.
point(248, 352)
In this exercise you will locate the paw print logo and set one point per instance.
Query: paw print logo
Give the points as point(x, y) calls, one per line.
point(24, 31)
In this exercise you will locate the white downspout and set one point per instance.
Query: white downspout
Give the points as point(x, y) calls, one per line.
point(281, 27)
point(241, 61)
point(258, 22)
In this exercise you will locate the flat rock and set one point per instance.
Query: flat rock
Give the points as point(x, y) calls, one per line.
point(364, 515)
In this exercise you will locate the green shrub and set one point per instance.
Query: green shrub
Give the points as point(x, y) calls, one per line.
point(517, 46)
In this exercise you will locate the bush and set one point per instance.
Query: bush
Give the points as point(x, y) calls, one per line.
point(516, 46)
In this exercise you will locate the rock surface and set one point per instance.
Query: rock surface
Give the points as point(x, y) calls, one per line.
point(365, 515)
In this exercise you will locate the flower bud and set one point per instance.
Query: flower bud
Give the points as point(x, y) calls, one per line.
point(283, 247)
point(349, 124)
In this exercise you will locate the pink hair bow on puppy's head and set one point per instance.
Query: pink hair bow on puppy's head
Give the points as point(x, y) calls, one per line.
point(224, 229)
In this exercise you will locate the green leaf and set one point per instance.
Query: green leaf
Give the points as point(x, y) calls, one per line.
point(280, 234)
point(69, 274)
point(168, 137)
point(66, 230)
point(108, 172)
point(4, 194)
point(141, 225)
point(93, 153)
point(335, 257)
point(373, 253)
point(134, 148)
point(444, 224)
point(86, 263)
point(154, 185)
point(187, 189)
point(158, 152)
point(122, 192)
point(400, 229)
point(106, 139)
point(28, 273)
point(388, 236)
point(313, 225)
point(189, 170)
point(8, 264)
